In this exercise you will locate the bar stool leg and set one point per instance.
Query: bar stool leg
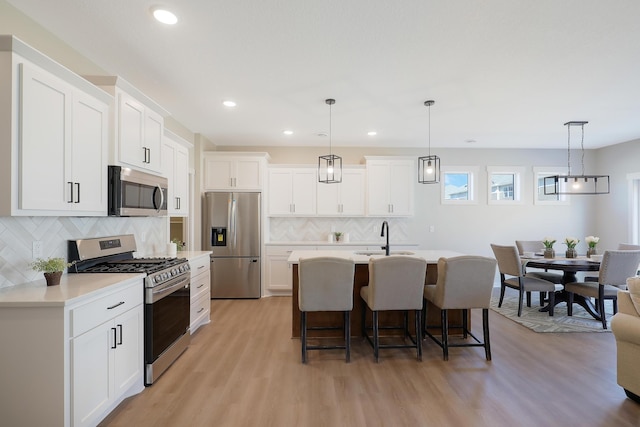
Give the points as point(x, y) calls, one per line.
point(376, 337)
point(445, 335)
point(303, 335)
point(347, 335)
point(485, 330)
point(419, 333)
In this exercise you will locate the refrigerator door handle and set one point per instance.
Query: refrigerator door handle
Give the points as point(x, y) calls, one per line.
point(233, 221)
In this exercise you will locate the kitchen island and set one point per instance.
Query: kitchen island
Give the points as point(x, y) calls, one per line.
point(361, 259)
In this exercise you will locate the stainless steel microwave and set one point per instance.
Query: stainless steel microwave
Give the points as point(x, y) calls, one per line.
point(135, 193)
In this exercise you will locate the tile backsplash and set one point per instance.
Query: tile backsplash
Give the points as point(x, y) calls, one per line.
point(17, 235)
point(317, 229)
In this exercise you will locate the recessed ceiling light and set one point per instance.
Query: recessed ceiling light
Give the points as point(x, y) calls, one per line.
point(229, 103)
point(164, 16)
point(288, 132)
point(372, 133)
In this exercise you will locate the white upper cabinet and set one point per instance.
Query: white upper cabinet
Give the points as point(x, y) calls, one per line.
point(390, 186)
point(233, 171)
point(137, 123)
point(292, 191)
point(343, 199)
point(54, 144)
point(175, 160)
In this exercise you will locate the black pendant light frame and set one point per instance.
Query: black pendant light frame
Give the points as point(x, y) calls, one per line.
point(330, 165)
point(576, 184)
point(429, 166)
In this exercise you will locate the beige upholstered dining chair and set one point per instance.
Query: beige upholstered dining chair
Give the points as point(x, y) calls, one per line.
point(512, 276)
point(325, 284)
point(396, 282)
point(464, 282)
point(536, 246)
point(615, 268)
point(621, 247)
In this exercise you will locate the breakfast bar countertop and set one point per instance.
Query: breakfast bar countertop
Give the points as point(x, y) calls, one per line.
point(431, 256)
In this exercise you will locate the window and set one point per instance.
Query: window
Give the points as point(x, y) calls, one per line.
point(539, 198)
point(504, 184)
point(458, 185)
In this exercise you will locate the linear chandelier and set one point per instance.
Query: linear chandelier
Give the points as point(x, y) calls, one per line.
point(429, 166)
point(330, 165)
point(576, 184)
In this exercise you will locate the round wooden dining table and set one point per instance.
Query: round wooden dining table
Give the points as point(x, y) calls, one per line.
point(569, 268)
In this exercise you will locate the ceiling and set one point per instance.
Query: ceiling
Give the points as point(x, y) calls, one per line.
point(503, 73)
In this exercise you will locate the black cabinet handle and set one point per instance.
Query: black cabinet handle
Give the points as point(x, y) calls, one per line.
point(71, 191)
point(149, 155)
point(114, 338)
point(115, 305)
point(78, 192)
point(120, 340)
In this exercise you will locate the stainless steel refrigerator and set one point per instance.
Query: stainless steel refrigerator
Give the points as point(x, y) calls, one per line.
point(231, 231)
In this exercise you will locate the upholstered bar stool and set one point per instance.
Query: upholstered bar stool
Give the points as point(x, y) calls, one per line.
point(395, 283)
point(464, 282)
point(325, 284)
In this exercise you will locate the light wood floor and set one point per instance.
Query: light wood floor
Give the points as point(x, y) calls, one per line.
point(243, 369)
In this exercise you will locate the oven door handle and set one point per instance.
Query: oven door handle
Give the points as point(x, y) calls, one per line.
point(156, 294)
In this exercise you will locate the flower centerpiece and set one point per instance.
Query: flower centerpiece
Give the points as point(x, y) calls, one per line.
point(548, 247)
point(338, 235)
point(571, 243)
point(52, 268)
point(592, 241)
point(180, 245)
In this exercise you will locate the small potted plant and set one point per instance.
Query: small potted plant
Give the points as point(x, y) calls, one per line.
point(338, 235)
point(592, 241)
point(548, 247)
point(571, 243)
point(52, 269)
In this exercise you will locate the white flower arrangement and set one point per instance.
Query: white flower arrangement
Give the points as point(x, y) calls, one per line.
point(571, 242)
point(592, 241)
point(548, 242)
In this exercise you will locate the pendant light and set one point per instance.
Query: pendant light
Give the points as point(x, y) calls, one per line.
point(330, 166)
point(429, 166)
point(576, 184)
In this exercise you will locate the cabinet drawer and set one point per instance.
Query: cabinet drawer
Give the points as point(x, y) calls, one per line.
point(199, 265)
point(96, 312)
point(200, 284)
point(199, 309)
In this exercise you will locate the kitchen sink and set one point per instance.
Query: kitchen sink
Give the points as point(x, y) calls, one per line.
point(370, 253)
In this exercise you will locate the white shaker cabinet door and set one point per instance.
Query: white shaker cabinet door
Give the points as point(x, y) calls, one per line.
point(152, 143)
point(89, 154)
point(127, 366)
point(131, 130)
point(91, 385)
point(44, 130)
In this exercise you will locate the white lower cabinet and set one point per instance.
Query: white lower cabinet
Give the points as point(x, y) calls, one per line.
point(278, 270)
point(107, 359)
point(200, 291)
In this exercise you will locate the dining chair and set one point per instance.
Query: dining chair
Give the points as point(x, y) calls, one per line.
point(615, 268)
point(464, 282)
point(621, 247)
point(512, 276)
point(396, 283)
point(325, 284)
point(536, 246)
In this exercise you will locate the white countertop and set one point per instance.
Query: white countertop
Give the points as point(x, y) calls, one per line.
point(431, 256)
point(71, 288)
point(345, 244)
point(192, 254)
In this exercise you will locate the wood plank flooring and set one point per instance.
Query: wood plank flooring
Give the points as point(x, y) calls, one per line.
point(243, 369)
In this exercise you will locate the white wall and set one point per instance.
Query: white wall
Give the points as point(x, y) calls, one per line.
point(612, 211)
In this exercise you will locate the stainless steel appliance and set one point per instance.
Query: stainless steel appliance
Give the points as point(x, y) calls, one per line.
point(166, 294)
point(231, 231)
point(135, 193)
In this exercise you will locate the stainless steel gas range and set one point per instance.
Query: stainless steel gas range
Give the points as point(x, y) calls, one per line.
point(166, 294)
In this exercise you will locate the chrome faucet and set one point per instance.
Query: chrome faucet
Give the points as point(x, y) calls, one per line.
point(386, 247)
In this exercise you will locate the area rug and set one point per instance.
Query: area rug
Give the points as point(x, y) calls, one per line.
point(537, 321)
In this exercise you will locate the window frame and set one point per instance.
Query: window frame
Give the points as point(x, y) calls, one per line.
point(542, 171)
point(472, 188)
point(518, 178)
